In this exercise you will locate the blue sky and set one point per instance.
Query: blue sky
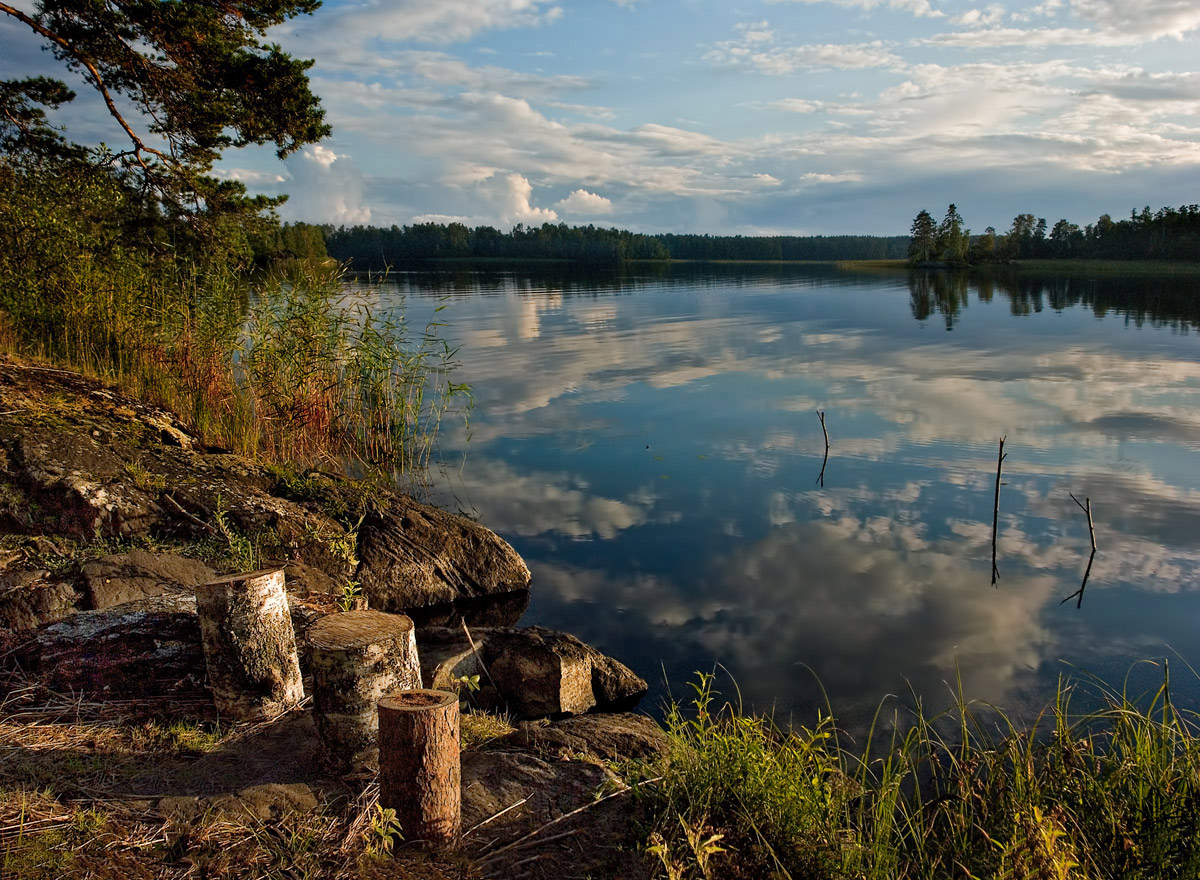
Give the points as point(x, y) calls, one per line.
point(753, 117)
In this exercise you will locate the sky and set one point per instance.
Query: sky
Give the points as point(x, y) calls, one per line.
point(750, 117)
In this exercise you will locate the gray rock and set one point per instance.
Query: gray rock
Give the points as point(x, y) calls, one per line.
point(265, 803)
point(619, 736)
point(140, 649)
point(29, 599)
point(128, 577)
point(537, 672)
point(79, 485)
point(445, 656)
point(495, 780)
point(413, 555)
point(508, 795)
point(305, 580)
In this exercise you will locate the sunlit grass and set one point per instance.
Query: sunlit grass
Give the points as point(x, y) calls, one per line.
point(287, 370)
point(1110, 793)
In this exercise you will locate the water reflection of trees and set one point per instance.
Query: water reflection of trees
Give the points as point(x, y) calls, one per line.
point(1163, 301)
point(937, 292)
point(468, 279)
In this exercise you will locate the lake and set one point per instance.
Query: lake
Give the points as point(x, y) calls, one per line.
point(651, 445)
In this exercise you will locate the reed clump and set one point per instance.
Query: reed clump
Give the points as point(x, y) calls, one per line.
point(1107, 793)
point(288, 368)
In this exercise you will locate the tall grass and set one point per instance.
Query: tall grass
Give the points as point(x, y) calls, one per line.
point(1108, 793)
point(287, 369)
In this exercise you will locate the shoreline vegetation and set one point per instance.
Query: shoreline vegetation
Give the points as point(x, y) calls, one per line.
point(1108, 793)
point(253, 368)
point(136, 266)
point(1170, 234)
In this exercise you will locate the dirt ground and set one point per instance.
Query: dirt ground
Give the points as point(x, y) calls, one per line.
point(119, 789)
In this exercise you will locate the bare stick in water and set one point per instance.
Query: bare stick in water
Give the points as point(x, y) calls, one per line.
point(825, 461)
point(1086, 507)
point(996, 512)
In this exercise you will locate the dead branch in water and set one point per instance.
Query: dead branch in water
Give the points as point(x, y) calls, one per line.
point(996, 511)
point(825, 461)
point(1086, 507)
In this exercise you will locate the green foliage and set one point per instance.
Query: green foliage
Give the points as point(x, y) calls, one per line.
point(779, 797)
point(348, 598)
point(1107, 794)
point(922, 246)
point(696, 860)
point(325, 373)
point(384, 831)
point(1167, 234)
point(946, 242)
point(240, 549)
point(201, 73)
point(367, 248)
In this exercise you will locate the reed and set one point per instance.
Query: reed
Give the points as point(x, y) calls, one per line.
point(1107, 793)
point(287, 369)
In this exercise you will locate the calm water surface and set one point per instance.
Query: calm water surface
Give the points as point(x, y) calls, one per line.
point(651, 447)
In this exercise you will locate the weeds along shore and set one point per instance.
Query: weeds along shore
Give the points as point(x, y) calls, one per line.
point(290, 367)
point(967, 793)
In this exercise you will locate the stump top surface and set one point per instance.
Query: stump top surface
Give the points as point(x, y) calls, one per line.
point(357, 629)
point(417, 699)
point(244, 576)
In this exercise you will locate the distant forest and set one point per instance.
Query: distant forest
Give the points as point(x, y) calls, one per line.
point(1168, 234)
point(370, 248)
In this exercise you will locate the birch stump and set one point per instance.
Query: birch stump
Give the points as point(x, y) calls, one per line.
point(419, 769)
point(358, 657)
point(249, 645)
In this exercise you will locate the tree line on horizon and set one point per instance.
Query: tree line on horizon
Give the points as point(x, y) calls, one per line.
point(1167, 234)
point(372, 248)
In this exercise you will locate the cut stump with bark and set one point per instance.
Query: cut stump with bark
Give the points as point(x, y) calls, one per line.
point(419, 765)
point(249, 644)
point(356, 658)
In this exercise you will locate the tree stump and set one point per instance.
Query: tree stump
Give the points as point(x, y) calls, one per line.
point(249, 644)
point(419, 769)
point(358, 657)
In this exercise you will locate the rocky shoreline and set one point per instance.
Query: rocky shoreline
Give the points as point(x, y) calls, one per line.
point(111, 514)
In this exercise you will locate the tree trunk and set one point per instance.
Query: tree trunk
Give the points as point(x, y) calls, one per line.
point(357, 657)
point(249, 645)
point(419, 770)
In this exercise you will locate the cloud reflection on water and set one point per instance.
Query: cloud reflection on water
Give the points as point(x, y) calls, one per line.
point(654, 458)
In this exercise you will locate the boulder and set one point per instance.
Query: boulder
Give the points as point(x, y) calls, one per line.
point(129, 577)
point(501, 609)
point(621, 736)
point(412, 555)
point(540, 672)
point(206, 490)
point(510, 795)
point(537, 672)
point(306, 580)
point(79, 485)
point(148, 648)
point(445, 656)
point(494, 780)
point(29, 599)
point(265, 803)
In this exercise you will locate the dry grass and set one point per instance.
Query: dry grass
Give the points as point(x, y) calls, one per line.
point(66, 769)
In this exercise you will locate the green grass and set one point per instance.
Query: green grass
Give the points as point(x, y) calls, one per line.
point(287, 370)
point(1110, 793)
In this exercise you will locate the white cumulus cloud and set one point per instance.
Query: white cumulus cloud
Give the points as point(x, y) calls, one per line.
point(587, 203)
point(919, 8)
point(324, 187)
point(508, 197)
